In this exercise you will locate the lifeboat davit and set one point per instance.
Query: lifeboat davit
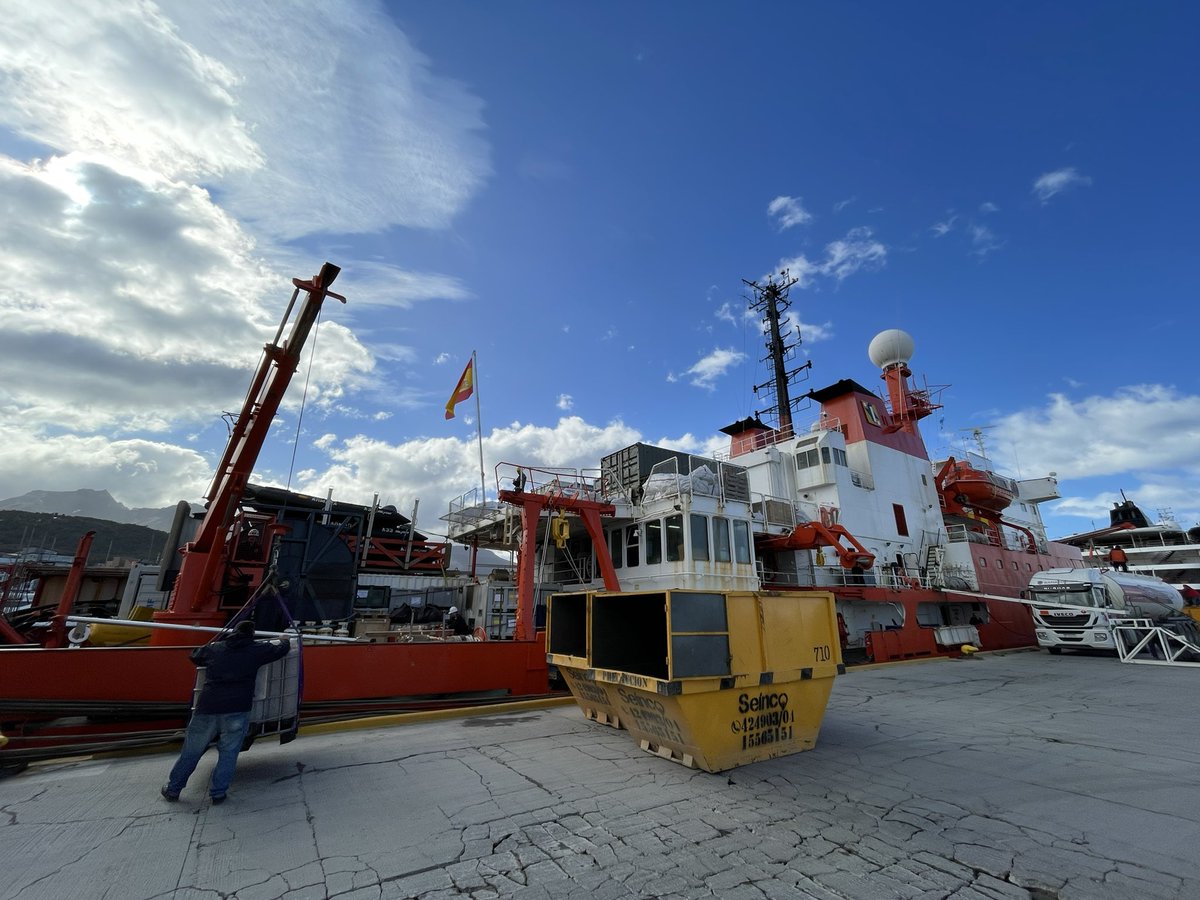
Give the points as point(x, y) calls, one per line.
point(978, 488)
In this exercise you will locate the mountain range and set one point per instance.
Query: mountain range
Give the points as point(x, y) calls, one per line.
point(90, 504)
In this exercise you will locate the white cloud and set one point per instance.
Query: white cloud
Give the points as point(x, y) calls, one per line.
point(941, 229)
point(565, 401)
point(842, 204)
point(441, 359)
point(809, 331)
point(282, 108)
point(988, 207)
point(152, 99)
point(1146, 433)
point(1106, 435)
point(788, 211)
point(711, 367)
point(726, 314)
point(137, 472)
point(147, 296)
point(983, 240)
point(438, 470)
point(1051, 183)
point(857, 250)
point(177, 143)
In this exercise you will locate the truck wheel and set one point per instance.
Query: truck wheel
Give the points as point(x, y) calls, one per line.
point(1055, 651)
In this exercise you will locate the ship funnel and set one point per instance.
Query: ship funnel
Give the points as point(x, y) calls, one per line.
point(890, 348)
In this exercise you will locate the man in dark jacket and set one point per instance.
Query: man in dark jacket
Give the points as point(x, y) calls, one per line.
point(456, 623)
point(223, 710)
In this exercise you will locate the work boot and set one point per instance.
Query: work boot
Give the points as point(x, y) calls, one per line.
point(218, 799)
point(168, 794)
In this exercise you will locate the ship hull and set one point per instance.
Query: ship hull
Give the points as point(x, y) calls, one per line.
point(70, 700)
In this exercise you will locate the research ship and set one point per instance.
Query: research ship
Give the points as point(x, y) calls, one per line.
point(924, 556)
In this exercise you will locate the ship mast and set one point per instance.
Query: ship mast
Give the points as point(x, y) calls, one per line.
point(771, 302)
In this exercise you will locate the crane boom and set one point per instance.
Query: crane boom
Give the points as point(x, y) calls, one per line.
point(195, 597)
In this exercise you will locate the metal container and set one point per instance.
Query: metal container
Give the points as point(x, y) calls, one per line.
point(712, 680)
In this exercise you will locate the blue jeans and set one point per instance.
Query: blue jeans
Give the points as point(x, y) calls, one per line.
point(230, 730)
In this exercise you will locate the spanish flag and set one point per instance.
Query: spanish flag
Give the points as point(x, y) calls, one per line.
point(464, 389)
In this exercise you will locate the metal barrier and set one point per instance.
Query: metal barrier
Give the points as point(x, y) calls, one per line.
point(1135, 637)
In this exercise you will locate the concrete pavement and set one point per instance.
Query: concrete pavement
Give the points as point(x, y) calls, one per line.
point(1004, 776)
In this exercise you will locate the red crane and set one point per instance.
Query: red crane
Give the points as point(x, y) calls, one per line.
point(196, 595)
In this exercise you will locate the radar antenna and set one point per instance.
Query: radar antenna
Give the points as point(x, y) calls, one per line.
point(771, 302)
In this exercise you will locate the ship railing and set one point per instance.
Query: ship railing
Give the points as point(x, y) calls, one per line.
point(826, 423)
point(960, 534)
point(782, 435)
point(581, 484)
point(706, 477)
point(777, 512)
point(826, 576)
point(472, 509)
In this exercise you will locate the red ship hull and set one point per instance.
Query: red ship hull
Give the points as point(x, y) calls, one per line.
point(79, 699)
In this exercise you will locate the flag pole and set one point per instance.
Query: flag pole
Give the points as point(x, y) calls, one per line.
point(479, 431)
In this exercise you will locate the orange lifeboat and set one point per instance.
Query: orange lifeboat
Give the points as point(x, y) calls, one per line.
point(977, 488)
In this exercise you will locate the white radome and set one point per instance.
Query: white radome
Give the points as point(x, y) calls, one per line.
point(891, 347)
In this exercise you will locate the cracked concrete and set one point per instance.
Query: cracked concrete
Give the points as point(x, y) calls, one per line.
point(1009, 777)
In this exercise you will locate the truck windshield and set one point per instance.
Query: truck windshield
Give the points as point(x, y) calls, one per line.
point(1081, 597)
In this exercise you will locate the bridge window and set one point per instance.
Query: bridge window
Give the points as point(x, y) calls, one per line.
point(806, 459)
point(901, 522)
point(654, 542)
point(741, 541)
point(631, 546)
point(699, 537)
point(721, 539)
point(616, 547)
point(674, 538)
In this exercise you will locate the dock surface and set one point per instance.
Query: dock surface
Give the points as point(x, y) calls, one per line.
point(1005, 776)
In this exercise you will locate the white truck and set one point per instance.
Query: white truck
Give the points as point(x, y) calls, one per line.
point(1077, 608)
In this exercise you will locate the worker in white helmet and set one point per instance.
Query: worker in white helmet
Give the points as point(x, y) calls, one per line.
point(456, 623)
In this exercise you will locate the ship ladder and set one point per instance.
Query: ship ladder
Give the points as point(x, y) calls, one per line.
point(1164, 647)
point(934, 555)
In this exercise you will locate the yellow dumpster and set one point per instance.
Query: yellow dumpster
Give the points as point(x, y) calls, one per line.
point(709, 679)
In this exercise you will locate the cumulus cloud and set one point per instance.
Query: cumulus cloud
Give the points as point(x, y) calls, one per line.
point(788, 211)
point(438, 470)
point(1052, 183)
point(146, 295)
point(178, 145)
point(714, 365)
point(144, 473)
point(1148, 431)
point(565, 402)
point(273, 106)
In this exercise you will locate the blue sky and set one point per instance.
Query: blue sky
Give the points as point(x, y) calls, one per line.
point(575, 191)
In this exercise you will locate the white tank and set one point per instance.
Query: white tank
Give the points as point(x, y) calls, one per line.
point(1143, 595)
